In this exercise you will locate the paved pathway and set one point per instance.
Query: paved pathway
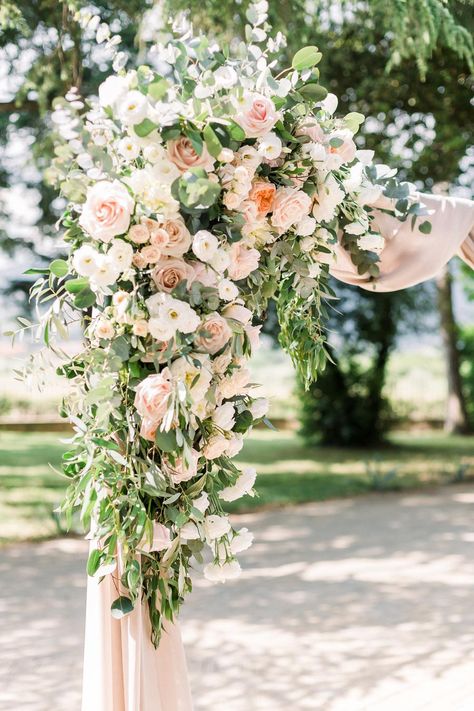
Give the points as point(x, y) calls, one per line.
point(354, 605)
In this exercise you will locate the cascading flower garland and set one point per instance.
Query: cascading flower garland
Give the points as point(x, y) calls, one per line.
point(199, 188)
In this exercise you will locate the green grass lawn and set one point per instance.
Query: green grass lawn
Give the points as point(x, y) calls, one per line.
point(289, 473)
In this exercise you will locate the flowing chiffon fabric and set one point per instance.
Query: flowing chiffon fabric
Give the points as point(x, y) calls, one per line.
point(122, 669)
point(411, 257)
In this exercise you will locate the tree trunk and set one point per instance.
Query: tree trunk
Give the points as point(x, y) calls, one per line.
point(456, 420)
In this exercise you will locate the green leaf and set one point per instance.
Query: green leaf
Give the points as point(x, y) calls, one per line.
point(243, 421)
point(121, 606)
point(306, 58)
point(144, 128)
point(235, 131)
point(166, 441)
point(313, 91)
point(158, 89)
point(84, 299)
point(354, 120)
point(37, 270)
point(93, 562)
point(214, 146)
point(59, 267)
point(425, 227)
point(74, 286)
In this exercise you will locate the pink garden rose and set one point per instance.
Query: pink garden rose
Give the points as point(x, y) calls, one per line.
point(151, 400)
point(106, 212)
point(179, 238)
point(213, 334)
point(181, 152)
point(170, 271)
point(289, 207)
point(243, 260)
point(257, 116)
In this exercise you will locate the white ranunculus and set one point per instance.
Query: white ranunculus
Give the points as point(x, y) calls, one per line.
point(202, 502)
point(121, 254)
point(216, 526)
point(270, 146)
point(85, 260)
point(217, 573)
point(241, 541)
point(106, 273)
point(112, 90)
point(189, 532)
point(259, 408)
point(205, 245)
point(305, 227)
point(132, 108)
point(224, 416)
point(228, 291)
point(225, 77)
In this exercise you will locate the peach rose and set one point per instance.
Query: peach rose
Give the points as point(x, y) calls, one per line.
point(213, 334)
point(289, 207)
point(139, 260)
point(179, 238)
point(258, 116)
point(169, 272)
point(180, 471)
point(262, 194)
point(148, 429)
point(106, 212)
point(151, 254)
point(181, 152)
point(243, 260)
point(151, 400)
point(138, 234)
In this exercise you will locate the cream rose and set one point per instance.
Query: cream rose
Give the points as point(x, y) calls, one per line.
point(243, 260)
point(179, 238)
point(169, 272)
point(289, 207)
point(151, 397)
point(257, 116)
point(213, 334)
point(106, 212)
point(182, 153)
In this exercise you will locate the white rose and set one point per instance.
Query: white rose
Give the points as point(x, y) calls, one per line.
point(224, 417)
point(226, 155)
point(305, 227)
point(308, 244)
point(216, 526)
point(270, 146)
point(234, 384)
point(132, 108)
point(103, 329)
point(241, 541)
point(228, 291)
point(85, 260)
point(217, 573)
point(225, 77)
point(121, 254)
point(159, 330)
point(234, 445)
point(259, 408)
point(205, 245)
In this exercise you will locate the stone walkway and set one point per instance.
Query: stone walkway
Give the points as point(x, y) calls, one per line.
point(352, 605)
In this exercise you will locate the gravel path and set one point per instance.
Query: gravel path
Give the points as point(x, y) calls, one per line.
point(351, 605)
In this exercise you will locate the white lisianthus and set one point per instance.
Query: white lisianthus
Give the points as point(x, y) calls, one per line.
point(171, 314)
point(128, 148)
point(224, 416)
point(216, 526)
point(202, 502)
point(371, 242)
point(242, 540)
point(132, 108)
point(259, 407)
point(220, 261)
point(228, 291)
point(270, 146)
point(189, 532)
point(305, 227)
point(329, 104)
point(242, 486)
point(103, 328)
point(121, 254)
point(164, 170)
point(85, 260)
point(112, 90)
point(106, 273)
point(205, 245)
point(219, 573)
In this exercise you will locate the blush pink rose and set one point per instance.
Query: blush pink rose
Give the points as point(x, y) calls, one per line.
point(107, 210)
point(311, 128)
point(258, 116)
point(179, 238)
point(243, 260)
point(289, 207)
point(151, 400)
point(179, 471)
point(213, 334)
point(169, 272)
point(138, 234)
point(181, 152)
point(148, 429)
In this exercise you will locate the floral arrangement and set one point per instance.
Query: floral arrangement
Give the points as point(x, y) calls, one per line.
point(198, 188)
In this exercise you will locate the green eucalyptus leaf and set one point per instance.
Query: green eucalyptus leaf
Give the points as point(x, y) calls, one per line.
point(74, 286)
point(121, 606)
point(306, 58)
point(59, 267)
point(166, 441)
point(425, 227)
point(144, 128)
point(313, 91)
point(84, 299)
point(214, 146)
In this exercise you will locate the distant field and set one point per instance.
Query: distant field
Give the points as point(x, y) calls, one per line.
point(289, 473)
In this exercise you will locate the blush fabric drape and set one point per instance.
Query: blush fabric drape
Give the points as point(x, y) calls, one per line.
point(411, 257)
point(122, 669)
